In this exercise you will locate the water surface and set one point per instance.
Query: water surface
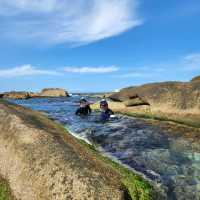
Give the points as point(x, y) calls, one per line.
point(168, 161)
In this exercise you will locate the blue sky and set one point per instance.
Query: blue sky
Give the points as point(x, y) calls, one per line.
point(94, 46)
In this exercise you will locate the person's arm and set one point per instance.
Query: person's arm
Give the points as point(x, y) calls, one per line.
point(77, 111)
point(111, 112)
point(89, 110)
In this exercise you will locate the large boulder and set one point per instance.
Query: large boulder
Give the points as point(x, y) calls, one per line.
point(41, 161)
point(53, 92)
point(135, 102)
point(166, 95)
point(195, 79)
point(16, 95)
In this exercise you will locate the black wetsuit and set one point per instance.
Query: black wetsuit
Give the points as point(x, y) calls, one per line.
point(105, 116)
point(84, 110)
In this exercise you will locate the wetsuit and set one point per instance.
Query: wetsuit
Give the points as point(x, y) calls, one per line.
point(105, 115)
point(84, 110)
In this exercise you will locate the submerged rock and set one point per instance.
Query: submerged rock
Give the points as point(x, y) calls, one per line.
point(41, 161)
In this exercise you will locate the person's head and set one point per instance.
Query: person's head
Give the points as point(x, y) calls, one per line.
point(103, 104)
point(83, 102)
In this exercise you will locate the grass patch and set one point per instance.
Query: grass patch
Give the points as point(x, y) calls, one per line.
point(178, 120)
point(5, 192)
point(191, 120)
point(138, 188)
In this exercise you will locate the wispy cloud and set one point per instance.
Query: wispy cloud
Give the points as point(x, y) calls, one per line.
point(142, 72)
point(25, 70)
point(75, 22)
point(191, 62)
point(95, 70)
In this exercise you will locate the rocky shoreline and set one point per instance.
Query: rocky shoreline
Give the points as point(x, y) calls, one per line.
point(40, 160)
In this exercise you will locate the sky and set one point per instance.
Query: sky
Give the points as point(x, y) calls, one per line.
point(97, 45)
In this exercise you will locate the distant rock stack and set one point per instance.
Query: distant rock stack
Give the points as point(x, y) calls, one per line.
point(16, 95)
point(196, 79)
point(53, 92)
point(47, 92)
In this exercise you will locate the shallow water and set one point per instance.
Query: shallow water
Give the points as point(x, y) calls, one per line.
point(167, 161)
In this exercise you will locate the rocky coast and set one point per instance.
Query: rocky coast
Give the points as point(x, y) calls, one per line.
point(40, 160)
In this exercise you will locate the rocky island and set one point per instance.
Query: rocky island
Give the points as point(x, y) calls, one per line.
point(47, 92)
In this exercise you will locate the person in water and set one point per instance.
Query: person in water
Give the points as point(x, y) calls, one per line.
point(84, 108)
point(106, 112)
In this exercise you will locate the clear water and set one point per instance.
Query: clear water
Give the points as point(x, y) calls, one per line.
point(169, 162)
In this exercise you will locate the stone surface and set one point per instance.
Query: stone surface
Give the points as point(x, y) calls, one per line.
point(16, 95)
point(166, 95)
point(135, 102)
point(48, 92)
point(196, 79)
point(53, 92)
point(41, 161)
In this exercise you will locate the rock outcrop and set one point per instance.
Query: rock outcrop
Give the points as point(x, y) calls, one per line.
point(48, 92)
point(16, 95)
point(53, 92)
point(166, 95)
point(195, 79)
point(42, 161)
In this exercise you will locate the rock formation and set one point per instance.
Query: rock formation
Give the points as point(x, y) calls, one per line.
point(166, 95)
point(48, 92)
point(195, 79)
point(53, 92)
point(16, 95)
point(42, 161)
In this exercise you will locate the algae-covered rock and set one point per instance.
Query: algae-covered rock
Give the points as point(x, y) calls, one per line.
point(41, 161)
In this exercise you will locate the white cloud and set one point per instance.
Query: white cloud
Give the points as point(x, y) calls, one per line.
point(25, 70)
point(135, 75)
point(75, 22)
point(95, 70)
point(142, 72)
point(191, 62)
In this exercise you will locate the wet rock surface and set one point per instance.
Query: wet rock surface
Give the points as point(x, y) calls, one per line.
point(169, 160)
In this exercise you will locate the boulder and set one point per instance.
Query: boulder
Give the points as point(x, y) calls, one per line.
point(135, 102)
point(16, 95)
point(196, 79)
point(42, 161)
point(53, 92)
point(165, 95)
point(34, 95)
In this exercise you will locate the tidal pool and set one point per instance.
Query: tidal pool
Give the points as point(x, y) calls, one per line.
point(170, 162)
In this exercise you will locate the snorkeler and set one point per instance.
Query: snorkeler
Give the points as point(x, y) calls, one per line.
point(84, 108)
point(106, 112)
